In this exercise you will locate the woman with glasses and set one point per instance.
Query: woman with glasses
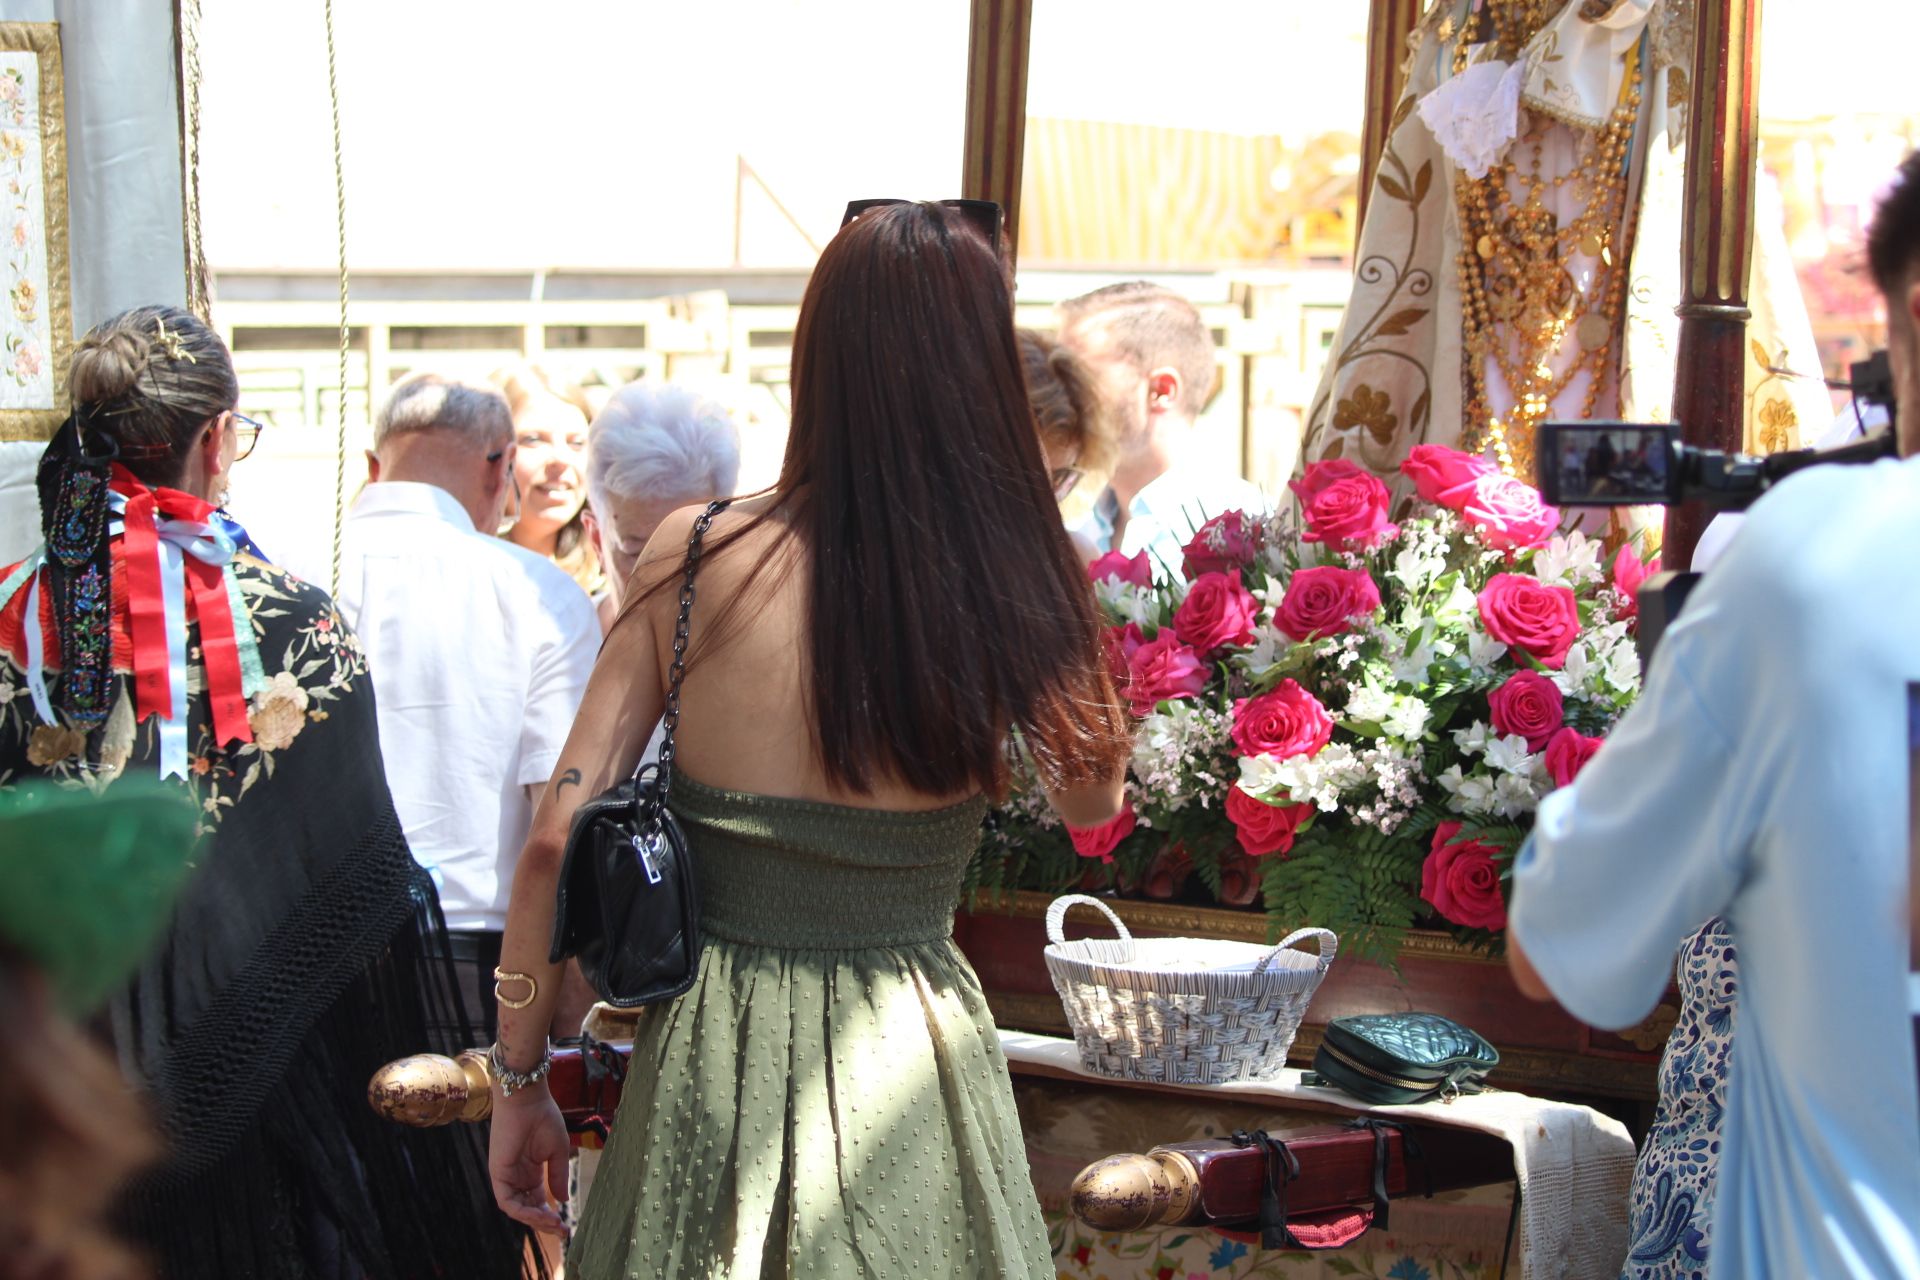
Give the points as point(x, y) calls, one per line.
point(830, 1100)
point(144, 639)
point(1076, 438)
point(550, 420)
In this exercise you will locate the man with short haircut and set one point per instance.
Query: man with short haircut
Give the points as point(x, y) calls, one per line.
point(1763, 776)
point(652, 449)
point(479, 652)
point(1153, 359)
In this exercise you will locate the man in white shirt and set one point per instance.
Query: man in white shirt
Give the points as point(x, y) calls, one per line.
point(479, 652)
point(1154, 361)
point(1763, 776)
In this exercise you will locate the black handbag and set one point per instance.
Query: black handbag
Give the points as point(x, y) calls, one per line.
point(628, 907)
point(1393, 1058)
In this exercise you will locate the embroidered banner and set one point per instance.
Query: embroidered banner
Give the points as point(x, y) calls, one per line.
point(36, 326)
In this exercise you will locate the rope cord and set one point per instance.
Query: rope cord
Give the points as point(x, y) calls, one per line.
point(340, 207)
point(199, 291)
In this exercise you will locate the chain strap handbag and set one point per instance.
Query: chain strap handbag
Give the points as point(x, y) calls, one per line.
point(628, 906)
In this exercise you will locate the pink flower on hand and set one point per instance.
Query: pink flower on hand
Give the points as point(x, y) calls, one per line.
point(1525, 614)
point(1324, 601)
point(1509, 513)
point(1443, 476)
point(1222, 543)
point(1163, 669)
point(1530, 705)
point(1343, 506)
point(1461, 880)
point(1286, 722)
point(1264, 828)
point(1567, 754)
point(1135, 572)
point(1100, 842)
point(1217, 611)
point(1629, 571)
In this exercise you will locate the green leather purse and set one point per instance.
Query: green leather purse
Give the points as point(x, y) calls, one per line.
point(1394, 1058)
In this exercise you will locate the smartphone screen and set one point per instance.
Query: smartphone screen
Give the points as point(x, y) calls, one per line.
point(1606, 464)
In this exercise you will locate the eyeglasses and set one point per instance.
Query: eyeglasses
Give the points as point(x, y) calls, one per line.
point(246, 434)
point(1065, 481)
point(987, 217)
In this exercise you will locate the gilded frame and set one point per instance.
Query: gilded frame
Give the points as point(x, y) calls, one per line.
point(42, 39)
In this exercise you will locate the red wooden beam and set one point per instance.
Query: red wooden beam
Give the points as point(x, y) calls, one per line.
point(997, 57)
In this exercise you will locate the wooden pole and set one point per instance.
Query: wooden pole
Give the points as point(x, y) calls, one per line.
point(1389, 23)
point(1709, 397)
point(997, 53)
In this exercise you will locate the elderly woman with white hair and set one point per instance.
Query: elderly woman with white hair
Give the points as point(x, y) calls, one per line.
point(654, 448)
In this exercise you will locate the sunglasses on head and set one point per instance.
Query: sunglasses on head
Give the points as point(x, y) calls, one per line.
point(986, 216)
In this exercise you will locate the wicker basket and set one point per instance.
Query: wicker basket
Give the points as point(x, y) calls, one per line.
point(1182, 1010)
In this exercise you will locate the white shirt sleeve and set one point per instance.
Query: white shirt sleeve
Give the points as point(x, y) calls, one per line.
point(562, 663)
point(1647, 844)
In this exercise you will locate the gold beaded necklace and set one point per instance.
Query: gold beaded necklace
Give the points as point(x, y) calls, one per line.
point(1520, 297)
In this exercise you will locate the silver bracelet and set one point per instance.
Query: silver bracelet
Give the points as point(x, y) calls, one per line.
point(511, 1081)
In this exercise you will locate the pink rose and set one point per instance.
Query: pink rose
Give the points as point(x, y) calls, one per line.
point(1443, 476)
point(1222, 543)
point(1524, 613)
point(1461, 880)
point(1629, 571)
point(1217, 611)
point(1324, 601)
point(1286, 722)
point(1509, 514)
point(1262, 827)
point(1343, 506)
point(1530, 705)
point(1100, 842)
point(1163, 669)
point(1567, 754)
point(1135, 572)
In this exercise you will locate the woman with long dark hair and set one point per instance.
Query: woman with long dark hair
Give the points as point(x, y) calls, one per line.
point(830, 1099)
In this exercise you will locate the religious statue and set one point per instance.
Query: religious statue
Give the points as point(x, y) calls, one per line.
point(1521, 257)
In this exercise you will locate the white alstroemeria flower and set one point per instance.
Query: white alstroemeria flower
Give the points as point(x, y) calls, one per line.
point(1270, 595)
point(1128, 602)
point(1513, 796)
point(1259, 776)
point(1409, 719)
point(1473, 739)
point(1416, 659)
point(1321, 778)
point(1568, 560)
point(1622, 667)
point(1418, 564)
point(1483, 651)
point(1270, 646)
point(1467, 794)
point(1460, 603)
point(1510, 755)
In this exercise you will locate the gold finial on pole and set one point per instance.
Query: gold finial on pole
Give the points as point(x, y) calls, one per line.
point(1133, 1192)
point(427, 1089)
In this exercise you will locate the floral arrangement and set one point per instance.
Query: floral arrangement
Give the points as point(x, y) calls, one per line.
point(1355, 717)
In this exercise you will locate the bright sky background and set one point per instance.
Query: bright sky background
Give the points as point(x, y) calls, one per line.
point(602, 133)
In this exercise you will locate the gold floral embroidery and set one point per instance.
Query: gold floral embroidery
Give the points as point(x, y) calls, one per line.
point(279, 713)
point(1777, 423)
point(53, 744)
point(1367, 408)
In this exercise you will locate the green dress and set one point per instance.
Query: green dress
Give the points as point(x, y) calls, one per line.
point(829, 1101)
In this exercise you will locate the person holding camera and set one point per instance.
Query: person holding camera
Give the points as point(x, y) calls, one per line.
point(1752, 784)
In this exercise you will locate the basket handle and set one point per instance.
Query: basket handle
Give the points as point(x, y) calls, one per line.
point(1329, 947)
point(1057, 918)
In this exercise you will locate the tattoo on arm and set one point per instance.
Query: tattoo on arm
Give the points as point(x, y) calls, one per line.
point(571, 778)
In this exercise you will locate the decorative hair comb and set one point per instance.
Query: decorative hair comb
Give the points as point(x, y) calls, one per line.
point(172, 343)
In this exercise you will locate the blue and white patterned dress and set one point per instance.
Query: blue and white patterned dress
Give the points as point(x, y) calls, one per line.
point(1672, 1203)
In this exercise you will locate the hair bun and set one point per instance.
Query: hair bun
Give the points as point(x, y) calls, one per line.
point(107, 365)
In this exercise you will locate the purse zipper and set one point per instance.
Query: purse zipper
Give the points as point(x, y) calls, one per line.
point(1373, 1073)
point(646, 858)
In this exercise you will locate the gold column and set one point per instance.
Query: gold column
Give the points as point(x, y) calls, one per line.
point(997, 55)
point(1389, 23)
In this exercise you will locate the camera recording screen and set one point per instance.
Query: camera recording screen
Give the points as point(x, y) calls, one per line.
point(1605, 464)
